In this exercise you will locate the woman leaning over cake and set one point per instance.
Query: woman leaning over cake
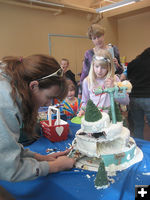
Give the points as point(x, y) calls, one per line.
point(101, 76)
point(25, 85)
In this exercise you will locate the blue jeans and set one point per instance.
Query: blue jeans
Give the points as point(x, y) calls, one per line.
point(139, 107)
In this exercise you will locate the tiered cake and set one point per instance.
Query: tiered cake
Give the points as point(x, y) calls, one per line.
point(100, 139)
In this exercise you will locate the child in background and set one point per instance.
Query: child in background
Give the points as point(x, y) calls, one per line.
point(71, 104)
point(67, 72)
point(101, 75)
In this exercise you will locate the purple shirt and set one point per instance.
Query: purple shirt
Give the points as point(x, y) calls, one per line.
point(86, 64)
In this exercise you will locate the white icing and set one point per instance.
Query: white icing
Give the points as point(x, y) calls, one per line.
point(93, 147)
point(115, 142)
point(102, 187)
point(128, 157)
point(135, 152)
point(95, 127)
point(111, 168)
point(112, 130)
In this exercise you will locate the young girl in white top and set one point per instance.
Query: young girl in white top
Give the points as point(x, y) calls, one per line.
point(101, 75)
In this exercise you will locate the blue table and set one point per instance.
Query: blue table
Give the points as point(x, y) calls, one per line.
point(78, 184)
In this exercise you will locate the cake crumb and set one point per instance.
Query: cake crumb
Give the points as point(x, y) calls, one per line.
point(69, 144)
point(84, 167)
point(50, 150)
point(111, 173)
point(76, 170)
point(88, 176)
point(111, 180)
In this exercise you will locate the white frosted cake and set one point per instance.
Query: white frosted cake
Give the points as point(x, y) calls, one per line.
point(102, 125)
point(99, 138)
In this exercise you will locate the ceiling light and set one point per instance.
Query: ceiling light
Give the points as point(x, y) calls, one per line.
point(115, 5)
point(47, 3)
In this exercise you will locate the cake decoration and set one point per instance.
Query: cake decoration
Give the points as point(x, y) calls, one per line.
point(117, 112)
point(92, 113)
point(101, 180)
point(103, 144)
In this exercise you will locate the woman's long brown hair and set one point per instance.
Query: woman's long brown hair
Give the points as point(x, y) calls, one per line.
point(24, 70)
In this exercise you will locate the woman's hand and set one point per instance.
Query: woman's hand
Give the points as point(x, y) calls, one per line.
point(61, 163)
point(50, 157)
point(57, 161)
point(109, 83)
point(53, 156)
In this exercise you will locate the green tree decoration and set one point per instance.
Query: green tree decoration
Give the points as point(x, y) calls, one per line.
point(118, 113)
point(101, 177)
point(109, 113)
point(92, 113)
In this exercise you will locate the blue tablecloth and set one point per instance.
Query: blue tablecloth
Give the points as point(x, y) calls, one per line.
point(77, 184)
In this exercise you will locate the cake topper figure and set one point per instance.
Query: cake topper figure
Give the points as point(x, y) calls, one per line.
point(115, 92)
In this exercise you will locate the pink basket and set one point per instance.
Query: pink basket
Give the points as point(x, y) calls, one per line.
point(55, 130)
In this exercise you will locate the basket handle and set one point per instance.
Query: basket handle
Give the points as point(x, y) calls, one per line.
point(50, 108)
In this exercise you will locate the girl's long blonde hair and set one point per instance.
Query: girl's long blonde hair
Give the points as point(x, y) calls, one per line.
point(104, 58)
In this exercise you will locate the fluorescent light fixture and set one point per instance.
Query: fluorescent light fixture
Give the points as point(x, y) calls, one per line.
point(115, 5)
point(46, 3)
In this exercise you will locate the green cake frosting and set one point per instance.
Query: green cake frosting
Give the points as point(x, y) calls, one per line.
point(92, 113)
point(101, 177)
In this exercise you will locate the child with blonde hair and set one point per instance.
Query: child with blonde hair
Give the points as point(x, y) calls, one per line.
point(101, 75)
point(71, 103)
